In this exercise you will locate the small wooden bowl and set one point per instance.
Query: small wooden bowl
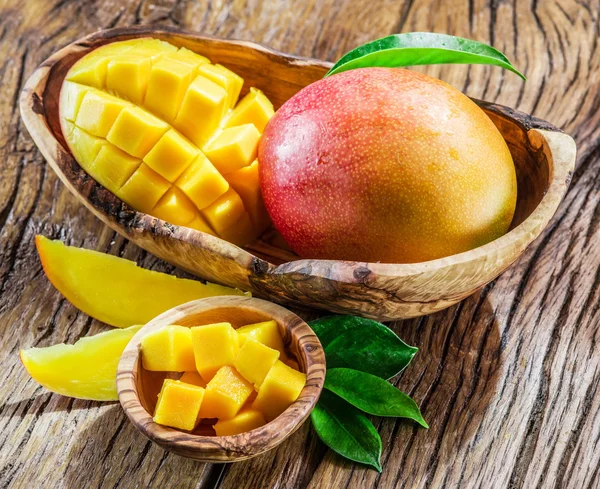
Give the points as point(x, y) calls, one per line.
point(544, 158)
point(138, 388)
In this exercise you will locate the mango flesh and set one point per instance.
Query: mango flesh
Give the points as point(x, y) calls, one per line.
point(225, 394)
point(114, 290)
point(178, 405)
point(148, 121)
point(168, 349)
point(388, 165)
point(280, 388)
point(85, 370)
point(214, 346)
point(246, 420)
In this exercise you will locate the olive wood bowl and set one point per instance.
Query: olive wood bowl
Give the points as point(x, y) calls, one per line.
point(138, 388)
point(544, 158)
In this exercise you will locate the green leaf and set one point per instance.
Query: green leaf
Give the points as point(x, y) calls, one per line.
point(421, 48)
point(346, 430)
point(372, 394)
point(362, 344)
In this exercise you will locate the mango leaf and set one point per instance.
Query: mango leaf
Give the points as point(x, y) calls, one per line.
point(421, 48)
point(346, 430)
point(362, 344)
point(372, 394)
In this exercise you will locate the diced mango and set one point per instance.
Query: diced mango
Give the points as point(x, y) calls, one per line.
point(113, 167)
point(178, 405)
point(168, 350)
point(90, 70)
point(169, 81)
point(193, 378)
point(242, 232)
point(171, 155)
point(98, 112)
point(246, 183)
point(201, 182)
point(266, 333)
point(143, 189)
point(201, 111)
point(246, 420)
point(279, 390)
point(175, 207)
point(225, 211)
point(127, 75)
point(136, 131)
point(107, 287)
point(199, 224)
point(255, 108)
point(230, 81)
point(215, 345)
point(86, 370)
point(188, 57)
point(71, 96)
point(254, 361)
point(234, 148)
point(84, 146)
point(151, 48)
point(225, 394)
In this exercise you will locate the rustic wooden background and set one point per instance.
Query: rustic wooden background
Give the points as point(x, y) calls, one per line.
point(508, 379)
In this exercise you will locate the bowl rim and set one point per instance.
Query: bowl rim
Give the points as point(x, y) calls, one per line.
point(231, 447)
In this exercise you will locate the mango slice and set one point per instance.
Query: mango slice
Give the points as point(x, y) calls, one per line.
point(225, 394)
point(178, 405)
point(279, 390)
point(168, 349)
point(246, 420)
point(136, 114)
point(114, 290)
point(86, 370)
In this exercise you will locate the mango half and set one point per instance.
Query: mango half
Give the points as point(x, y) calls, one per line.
point(159, 127)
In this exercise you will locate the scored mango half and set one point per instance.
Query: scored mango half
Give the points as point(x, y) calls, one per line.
point(162, 129)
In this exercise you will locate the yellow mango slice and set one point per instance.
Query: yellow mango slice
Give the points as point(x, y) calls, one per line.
point(255, 108)
point(246, 420)
point(254, 361)
point(171, 155)
point(86, 370)
point(225, 211)
point(135, 131)
point(246, 183)
point(178, 405)
point(168, 350)
point(230, 81)
point(113, 167)
point(279, 390)
point(266, 333)
point(225, 394)
point(98, 112)
point(215, 345)
point(234, 148)
point(193, 378)
point(144, 189)
point(201, 182)
point(71, 97)
point(114, 290)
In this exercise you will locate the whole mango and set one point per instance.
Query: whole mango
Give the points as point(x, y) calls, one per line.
point(387, 165)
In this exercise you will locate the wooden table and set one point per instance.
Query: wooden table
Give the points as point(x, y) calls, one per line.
point(508, 379)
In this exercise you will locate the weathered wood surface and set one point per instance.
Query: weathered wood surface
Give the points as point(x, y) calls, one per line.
point(508, 379)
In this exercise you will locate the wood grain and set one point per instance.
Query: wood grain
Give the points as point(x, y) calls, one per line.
point(508, 379)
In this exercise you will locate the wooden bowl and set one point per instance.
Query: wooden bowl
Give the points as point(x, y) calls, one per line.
point(138, 388)
point(544, 159)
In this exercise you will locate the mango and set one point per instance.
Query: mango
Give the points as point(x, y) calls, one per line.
point(385, 165)
point(225, 394)
point(179, 405)
point(114, 290)
point(254, 361)
point(280, 388)
point(193, 378)
point(136, 115)
point(168, 350)
point(215, 345)
point(266, 333)
point(246, 183)
point(85, 370)
point(246, 420)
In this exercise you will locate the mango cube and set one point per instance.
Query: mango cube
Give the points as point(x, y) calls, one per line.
point(225, 211)
point(246, 420)
point(230, 81)
point(90, 70)
point(193, 378)
point(234, 148)
point(279, 390)
point(201, 111)
point(215, 345)
point(178, 405)
point(171, 155)
point(84, 146)
point(266, 333)
point(201, 182)
point(127, 75)
point(255, 360)
point(168, 350)
point(71, 96)
point(168, 83)
point(113, 167)
point(98, 112)
point(175, 207)
point(246, 183)
point(143, 189)
point(255, 108)
point(225, 394)
point(136, 131)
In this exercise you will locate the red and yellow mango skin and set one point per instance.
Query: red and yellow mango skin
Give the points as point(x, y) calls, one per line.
point(386, 165)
